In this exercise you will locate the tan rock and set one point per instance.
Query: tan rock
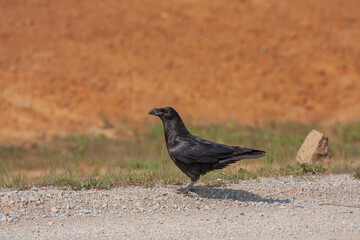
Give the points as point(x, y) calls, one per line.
point(315, 148)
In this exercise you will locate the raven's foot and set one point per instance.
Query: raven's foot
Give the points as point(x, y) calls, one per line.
point(183, 191)
point(187, 189)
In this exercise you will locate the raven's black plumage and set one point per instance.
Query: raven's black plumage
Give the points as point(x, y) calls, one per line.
point(193, 155)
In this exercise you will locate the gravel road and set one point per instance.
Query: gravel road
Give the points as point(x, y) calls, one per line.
point(276, 208)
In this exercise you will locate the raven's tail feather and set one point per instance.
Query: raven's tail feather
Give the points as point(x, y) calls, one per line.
point(253, 154)
point(248, 155)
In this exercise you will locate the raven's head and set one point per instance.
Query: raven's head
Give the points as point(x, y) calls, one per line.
point(173, 125)
point(165, 112)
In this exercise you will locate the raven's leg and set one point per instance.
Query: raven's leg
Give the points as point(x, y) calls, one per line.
point(186, 190)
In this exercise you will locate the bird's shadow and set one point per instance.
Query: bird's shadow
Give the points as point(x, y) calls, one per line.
point(235, 195)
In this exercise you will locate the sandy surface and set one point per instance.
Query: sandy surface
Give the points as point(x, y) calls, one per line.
point(268, 208)
point(65, 66)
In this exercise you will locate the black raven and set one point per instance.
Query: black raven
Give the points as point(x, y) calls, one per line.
point(193, 155)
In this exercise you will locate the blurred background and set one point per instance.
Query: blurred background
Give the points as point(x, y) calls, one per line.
point(97, 67)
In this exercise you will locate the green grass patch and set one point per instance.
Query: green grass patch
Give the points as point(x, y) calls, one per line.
point(88, 161)
point(302, 168)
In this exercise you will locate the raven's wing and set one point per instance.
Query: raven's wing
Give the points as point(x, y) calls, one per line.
point(192, 149)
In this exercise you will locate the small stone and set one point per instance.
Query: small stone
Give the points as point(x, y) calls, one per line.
point(314, 149)
point(156, 207)
point(51, 222)
point(85, 211)
point(104, 205)
point(35, 189)
point(207, 207)
point(13, 214)
point(54, 210)
point(32, 198)
point(14, 219)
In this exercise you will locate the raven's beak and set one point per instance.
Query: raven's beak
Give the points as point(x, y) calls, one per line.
point(156, 112)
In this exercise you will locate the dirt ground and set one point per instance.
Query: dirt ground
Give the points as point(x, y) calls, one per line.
point(76, 66)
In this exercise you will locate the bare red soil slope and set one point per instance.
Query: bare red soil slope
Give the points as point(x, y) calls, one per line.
point(67, 65)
